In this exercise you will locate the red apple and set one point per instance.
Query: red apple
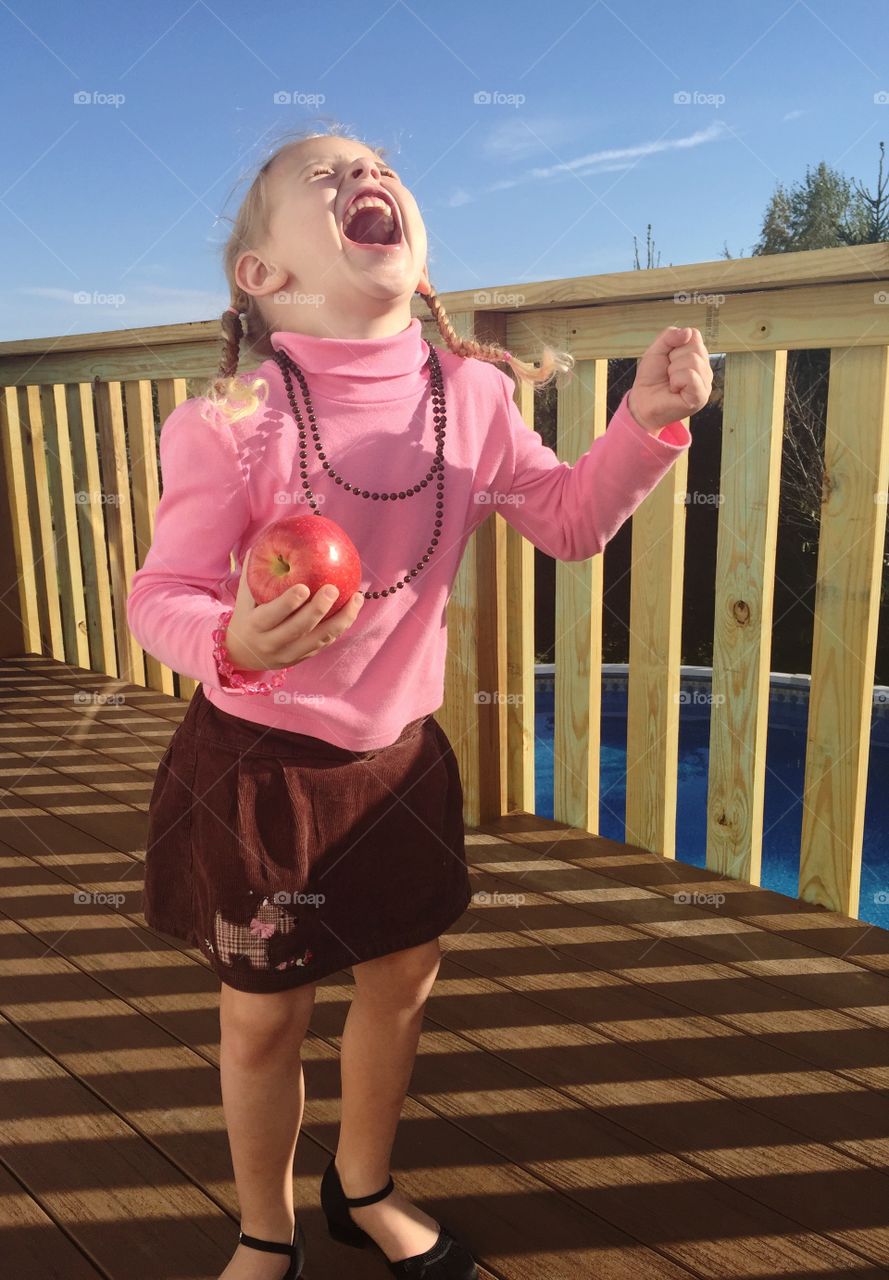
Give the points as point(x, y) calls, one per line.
point(311, 550)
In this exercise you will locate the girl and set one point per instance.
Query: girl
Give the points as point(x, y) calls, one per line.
point(307, 814)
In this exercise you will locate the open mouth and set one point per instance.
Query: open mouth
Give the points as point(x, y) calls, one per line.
point(372, 219)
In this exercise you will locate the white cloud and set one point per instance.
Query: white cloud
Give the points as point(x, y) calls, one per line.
point(601, 161)
point(514, 136)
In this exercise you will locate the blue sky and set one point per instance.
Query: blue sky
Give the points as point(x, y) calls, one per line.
point(580, 143)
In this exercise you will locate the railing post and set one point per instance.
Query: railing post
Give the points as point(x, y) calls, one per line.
point(13, 510)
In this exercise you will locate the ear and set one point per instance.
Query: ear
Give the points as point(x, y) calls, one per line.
point(424, 286)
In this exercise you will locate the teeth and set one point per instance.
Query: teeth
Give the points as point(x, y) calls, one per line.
point(366, 202)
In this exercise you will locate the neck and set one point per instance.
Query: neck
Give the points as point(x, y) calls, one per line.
point(331, 321)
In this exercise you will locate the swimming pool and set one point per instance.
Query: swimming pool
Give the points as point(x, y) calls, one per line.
point(785, 761)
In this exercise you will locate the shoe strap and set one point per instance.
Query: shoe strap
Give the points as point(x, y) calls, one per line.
point(355, 1201)
point(267, 1246)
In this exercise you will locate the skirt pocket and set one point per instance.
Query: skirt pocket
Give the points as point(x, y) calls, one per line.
point(249, 852)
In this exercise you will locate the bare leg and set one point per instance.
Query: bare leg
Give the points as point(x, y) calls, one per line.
point(263, 1095)
point(379, 1046)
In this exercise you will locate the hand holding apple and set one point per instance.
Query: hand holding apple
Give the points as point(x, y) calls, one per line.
point(303, 549)
point(290, 627)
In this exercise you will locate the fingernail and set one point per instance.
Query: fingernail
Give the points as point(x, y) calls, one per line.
point(300, 593)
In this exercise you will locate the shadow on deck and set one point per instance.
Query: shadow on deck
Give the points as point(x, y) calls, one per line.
point(612, 1081)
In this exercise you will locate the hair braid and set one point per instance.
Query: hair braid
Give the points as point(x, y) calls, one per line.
point(239, 398)
point(552, 362)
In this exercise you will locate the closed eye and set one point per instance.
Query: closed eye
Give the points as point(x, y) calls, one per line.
point(327, 169)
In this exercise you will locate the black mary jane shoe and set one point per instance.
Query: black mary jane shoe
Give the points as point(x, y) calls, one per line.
point(447, 1259)
point(296, 1251)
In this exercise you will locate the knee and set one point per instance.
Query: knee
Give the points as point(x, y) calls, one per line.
point(400, 981)
point(254, 1025)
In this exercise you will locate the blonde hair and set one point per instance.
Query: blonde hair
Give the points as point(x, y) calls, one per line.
point(239, 395)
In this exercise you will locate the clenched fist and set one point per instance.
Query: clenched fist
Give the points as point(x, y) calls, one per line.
point(673, 379)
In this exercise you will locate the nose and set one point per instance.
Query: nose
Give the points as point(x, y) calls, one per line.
point(366, 166)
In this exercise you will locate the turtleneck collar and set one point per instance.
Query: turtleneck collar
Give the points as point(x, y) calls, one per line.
point(358, 369)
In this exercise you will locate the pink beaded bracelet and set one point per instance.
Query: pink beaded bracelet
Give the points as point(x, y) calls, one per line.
point(237, 682)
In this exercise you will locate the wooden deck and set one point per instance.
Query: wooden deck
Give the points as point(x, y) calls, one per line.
point(612, 1082)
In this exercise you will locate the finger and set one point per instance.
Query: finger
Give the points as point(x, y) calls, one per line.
point(311, 615)
point(244, 597)
point(326, 632)
point(690, 387)
point(271, 615)
point(668, 340)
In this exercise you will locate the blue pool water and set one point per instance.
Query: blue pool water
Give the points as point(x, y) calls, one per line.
point(785, 760)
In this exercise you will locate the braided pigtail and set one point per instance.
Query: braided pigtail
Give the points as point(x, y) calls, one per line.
point(552, 362)
point(229, 391)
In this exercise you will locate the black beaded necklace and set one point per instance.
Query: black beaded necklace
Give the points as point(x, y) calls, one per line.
point(439, 415)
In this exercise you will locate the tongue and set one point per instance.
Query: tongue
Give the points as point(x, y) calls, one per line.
point(370, 226)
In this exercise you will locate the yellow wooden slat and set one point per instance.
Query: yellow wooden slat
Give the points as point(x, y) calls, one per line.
point(47, 565)
point(71, 583)
point(17, 464)
point(91, 512)
point(141, 433)
point(473, 713)
point(518, 708)
point(847, 599)
point(581, 419)
point(119, 524)
point(753, 420)
point(656, 576)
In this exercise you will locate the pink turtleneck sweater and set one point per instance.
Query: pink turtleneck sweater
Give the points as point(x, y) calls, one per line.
point(222, 484)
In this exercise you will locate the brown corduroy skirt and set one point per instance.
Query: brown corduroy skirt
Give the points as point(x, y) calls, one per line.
point(285, 858)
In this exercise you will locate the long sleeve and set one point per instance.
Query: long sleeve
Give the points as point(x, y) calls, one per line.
point(176, 597)
point(572, 511)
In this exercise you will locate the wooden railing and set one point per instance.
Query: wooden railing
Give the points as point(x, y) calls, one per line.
point(78, 530)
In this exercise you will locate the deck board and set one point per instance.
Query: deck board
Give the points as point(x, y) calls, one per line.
point(610, 1081)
